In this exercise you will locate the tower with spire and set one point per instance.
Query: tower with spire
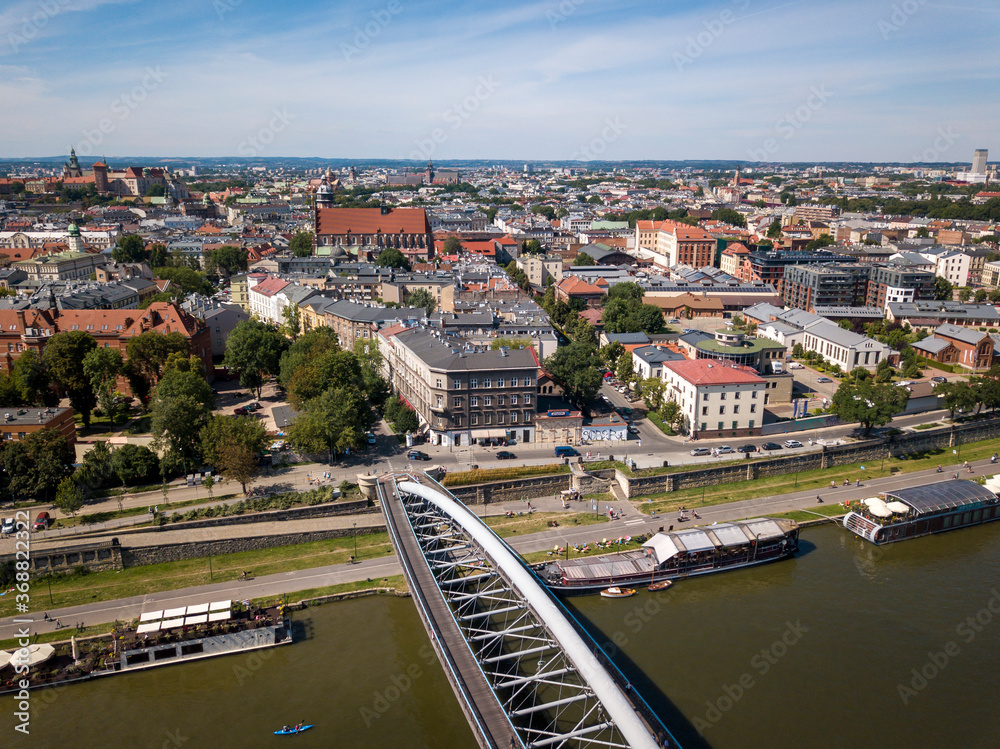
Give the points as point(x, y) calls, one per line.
point(72, 169)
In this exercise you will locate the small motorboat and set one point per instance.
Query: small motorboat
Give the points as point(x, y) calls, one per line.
point(616, 592)
point(293, 730)
point(662, 585)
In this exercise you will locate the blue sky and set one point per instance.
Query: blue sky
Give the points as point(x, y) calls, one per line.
point(557, 79)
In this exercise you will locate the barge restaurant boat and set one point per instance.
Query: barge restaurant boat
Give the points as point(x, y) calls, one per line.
point(921, 510)
point(678, 554)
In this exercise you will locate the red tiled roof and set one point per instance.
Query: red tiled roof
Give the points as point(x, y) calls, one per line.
point(270, 287)
point(372, 221)
point(576, 285)
point(712, 372)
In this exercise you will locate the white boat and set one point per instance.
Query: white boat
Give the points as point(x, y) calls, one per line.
point(616, 592)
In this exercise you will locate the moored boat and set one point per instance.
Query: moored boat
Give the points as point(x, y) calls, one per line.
point(662, 585)
point(678, 554)
point(922, 510)
point(615, 592)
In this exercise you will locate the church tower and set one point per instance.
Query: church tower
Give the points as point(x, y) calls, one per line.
point(429, 174)
point(72, 169)
point(75, 239)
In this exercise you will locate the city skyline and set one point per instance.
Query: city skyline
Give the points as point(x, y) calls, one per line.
point(571, 80)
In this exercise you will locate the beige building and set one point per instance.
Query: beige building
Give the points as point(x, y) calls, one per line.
point(718, 399)
point(63, 266)
point(541, 270)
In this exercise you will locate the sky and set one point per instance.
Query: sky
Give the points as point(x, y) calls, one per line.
point(755, 80)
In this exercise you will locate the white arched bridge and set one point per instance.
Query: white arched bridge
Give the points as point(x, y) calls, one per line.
point(526, 673)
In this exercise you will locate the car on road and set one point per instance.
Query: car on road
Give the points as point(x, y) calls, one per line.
point(904, 383)
point(823, 379)
point(505, 455)
point(770, 446)
point(722, 450)
point(674, 321)
point(633, 429)
point(7, 527)
point(746, 449)
point(417, 455)
point(701, 451)
point(255, 406)
point(370, 438)
point(793, 443)
point(42, 521)
point(241, 411)
point(565, 451)
point(795, 365)
point(938, 379)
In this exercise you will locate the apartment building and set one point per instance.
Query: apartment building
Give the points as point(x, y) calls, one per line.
point(461, 392)
point(541, 269)
point(717, 399)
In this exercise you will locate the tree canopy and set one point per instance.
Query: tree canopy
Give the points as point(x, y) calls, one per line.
point(229, 259)
point(869, 404)
point(231, 444)
point(422, 298)
point(392, 258)
point(34, 466)
point(64, 355)
point(729, 216)
point(576, 368)
point(254, 350)
point(179, 410)
point(301, 244)
point(130, 249)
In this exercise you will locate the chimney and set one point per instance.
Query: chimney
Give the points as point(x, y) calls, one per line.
point(20, 320)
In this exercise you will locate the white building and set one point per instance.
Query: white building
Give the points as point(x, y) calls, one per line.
point(951, 265)
point(716, 398)
point(843, 347)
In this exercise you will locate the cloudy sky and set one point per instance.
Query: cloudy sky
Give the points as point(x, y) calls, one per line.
point(873, 80)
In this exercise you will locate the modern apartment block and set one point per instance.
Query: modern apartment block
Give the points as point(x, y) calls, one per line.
point(461, 392)
point(854, 285)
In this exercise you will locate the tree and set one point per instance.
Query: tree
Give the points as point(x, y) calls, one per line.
point(994, 296)
point(158, 255)
point(627, 291)
point(147, 355)
point(63, 356)
point(69, 496)
point(179, 410)
point(401, 416)
point(189, 280)
point(134, 464)
point(625, 368)
point(231, 445)
point(369, 360)
point(922, 232)
point(130, 249)
point(576, 368)
point(868, 404)
point(422, 298)
point(532, 247)
point(208, 482)
point(97, 469)
point(392, 258)
point(583, 259)
point(103, 366)
point(729, 216)
point(980, 296)
point(452, 246)
point(623, 315)
point(33, 380)
point(653, 389)
point(254, 350)
point(672, 415)
point(774, 229)
point(965, 293)
point(35, 465)
point(544, 210)
point(846, 325)
point(943, 288)
point(611, 353)
point(798, 351)
point(229, 259)
point(333, 368)
point(301, 244)
point(883, 371)
point(957, 396)
point(824, 240)
point(291, 325)
point(335, 420)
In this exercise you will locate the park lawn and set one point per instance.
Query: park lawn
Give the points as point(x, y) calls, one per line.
point(593, 551)
point(396, 582)
point(75, 590)
point(539, 521)
point(817, 479)
point(802, 516)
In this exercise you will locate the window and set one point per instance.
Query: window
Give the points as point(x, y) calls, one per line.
point(499, 382)
point(488, 400)
point(736, 395)
point(722, 396)
point(704, 426)
point(438, 383)
point(473, 383)
point(487, 419)
point(500, 417)
point(722, 410)
point(736, 410)
point(473, 401)
point(513, 400)
point(706, 397)
point(527, 399)
point(527, 382)
point(513, 417)
point(527, 416)
point(753, 408)
point(753, 394)
point(458, 402)
point(487, 382)
point(734, 424)
point(439, 401)
point(751, 423)
point(474, 419)
point(721, 426)
point(458, 385)
point(704, 410)
point(501, 400)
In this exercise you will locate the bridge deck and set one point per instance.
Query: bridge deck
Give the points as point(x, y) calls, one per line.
point(486, 717)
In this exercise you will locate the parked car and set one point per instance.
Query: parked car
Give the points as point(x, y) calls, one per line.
point(770, 446)
point(701, 451)
point(255, 406)
point(793, 443)
point(633, 429)
point(674, 321)
point(722, 450)
point(42, 521)
point(370, 438)
point(565, 451)
point(7, 527)
point(904, 383)
point(241, 411)
point(938, 379)
point(795, 365)
point(746, 449)
point(505, 455)
point(417, 455)
point(823, 379)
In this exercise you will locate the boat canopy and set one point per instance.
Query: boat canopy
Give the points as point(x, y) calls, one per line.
point(719, 536)
point(662, 546)
point(695, 540)
point(878, 508)
point(942, 495)
point(898, 507)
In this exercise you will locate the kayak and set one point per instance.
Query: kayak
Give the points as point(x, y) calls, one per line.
point(291, 731)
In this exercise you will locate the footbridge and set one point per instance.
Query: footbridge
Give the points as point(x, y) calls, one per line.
point(526, 673)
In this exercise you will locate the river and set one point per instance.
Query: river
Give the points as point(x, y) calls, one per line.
point(846, 645)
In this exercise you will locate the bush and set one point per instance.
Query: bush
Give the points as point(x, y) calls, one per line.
point(483, 475)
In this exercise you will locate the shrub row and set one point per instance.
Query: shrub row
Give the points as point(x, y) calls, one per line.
point(483, 475)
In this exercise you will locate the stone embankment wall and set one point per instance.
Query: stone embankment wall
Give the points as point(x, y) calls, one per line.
point(327, 509)
point(510, 491)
